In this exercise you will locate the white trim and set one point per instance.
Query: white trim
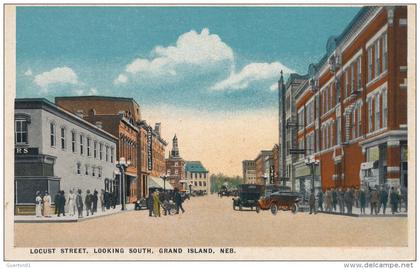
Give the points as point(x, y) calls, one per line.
point(353, 59)
point(376, 36)
point(403, 68)
point(393, 169)
point(375, 79)
point(403, 126)
point(378, 90)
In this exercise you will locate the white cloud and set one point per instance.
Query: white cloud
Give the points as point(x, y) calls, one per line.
point(250, 73)
point(59, 75)
point(121, 79)
point(28, 72)
point(274, 87)
point(191, 48)
point(93, 91)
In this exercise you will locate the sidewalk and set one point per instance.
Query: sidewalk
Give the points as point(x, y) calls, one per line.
point(54, 218)
point(356, 213)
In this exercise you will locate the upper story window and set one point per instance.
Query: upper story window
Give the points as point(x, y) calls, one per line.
point(377, 112)
point(95, 149)
point(21, 131)
point(79, 169)
point(377, 59)
point(81, 144)
point(88, 146)
point(385, 52)
point(101, 151)
point(73, 141)
point(63, 137)
point(52, 134)
point(107, 154)
point(301, 120)
point(370, 125)
point(338, 130)
point(359, 73)
point(309, 112)
point(384, 109)
point(112, 155)
point(370, 64)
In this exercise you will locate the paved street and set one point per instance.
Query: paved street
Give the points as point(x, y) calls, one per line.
point(211, 221)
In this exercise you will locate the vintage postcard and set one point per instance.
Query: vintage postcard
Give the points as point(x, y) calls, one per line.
point(210, 132)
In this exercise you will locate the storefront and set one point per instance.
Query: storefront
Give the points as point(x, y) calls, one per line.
point(303, 179)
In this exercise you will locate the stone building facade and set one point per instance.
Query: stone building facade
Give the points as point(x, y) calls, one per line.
point(57, 150)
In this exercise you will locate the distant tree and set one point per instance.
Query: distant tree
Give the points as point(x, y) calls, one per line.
point(218, 180)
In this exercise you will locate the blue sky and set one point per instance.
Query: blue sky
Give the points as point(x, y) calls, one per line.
point(212, 58)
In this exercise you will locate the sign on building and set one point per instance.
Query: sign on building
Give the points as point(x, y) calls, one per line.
point(149, 149)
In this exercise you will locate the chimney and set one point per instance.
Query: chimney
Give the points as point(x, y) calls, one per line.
point(80, 113)
point(98, 124)
point(157, 128)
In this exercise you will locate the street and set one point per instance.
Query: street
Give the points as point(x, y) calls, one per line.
point(211, 221)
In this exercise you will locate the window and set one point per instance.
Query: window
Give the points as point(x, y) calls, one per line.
point(205, 175)
point(78, 168)
point(370, 114)
point(63, 138)
point(346, 83)
point(384, 52)
point(309, 112)
point(330, 98)
point(199, 183)
point(353, 124)
point(204, 183)
point(81, 144)
point(338, 130)
point(99, 172)
point(359, 121)
point(21, 131)
point(101, 151)
point(88, 146)
point(107, 154)
point(112, 154)
point(86, 170)
point(377, 112)
point(195, 183)
point(52, 134)
point(384, 109)
point(327, 133)
point(352, 78)
point(176, 171)
point(93, 171)
point(370, 65)
point(301, 119)
point(95, 149)
point(73, 141)
point(377, 62)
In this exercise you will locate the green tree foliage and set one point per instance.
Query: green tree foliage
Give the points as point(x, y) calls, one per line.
point(218, 180)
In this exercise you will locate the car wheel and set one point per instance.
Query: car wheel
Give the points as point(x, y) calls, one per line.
point(172, 211)
point(257, 209)
point(240, 207)
point(293, 208)
point(234, 207)
point(274, 209)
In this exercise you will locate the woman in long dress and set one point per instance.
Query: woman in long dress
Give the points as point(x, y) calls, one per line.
point(71, 203)
point(38, 205)
point(47, 205)
point(156, 204)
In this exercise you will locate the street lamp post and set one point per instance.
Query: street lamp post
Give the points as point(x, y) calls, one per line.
point(122, 166)
point(312, 163)
point(164, 177)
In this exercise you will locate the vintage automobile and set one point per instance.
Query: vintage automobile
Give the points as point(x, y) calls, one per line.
point(248, 195)
point(278, 198)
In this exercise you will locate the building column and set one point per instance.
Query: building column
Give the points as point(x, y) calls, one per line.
point(393, 162)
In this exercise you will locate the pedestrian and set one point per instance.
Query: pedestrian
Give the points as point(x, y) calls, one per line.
point(357, 197)
point(340, 199)
point(56, 203)
point(362, 201)
point(178, 201)
point(71, 203)
point(374, 200)
point(102, 200)
point(95, 202)
point(404, 197)
point(156, 204)
point(79, 203)
point(328, 200)
point(149, 202)
point(38, 205)
point(312, 202)
point(394, 199)
point(107, 200)
point(113, 199)
point(61, 204)
point(320, 197)
point(348, 200)
point(383, 198)
point(47, 205)
point(88, 202)
point(334, 199)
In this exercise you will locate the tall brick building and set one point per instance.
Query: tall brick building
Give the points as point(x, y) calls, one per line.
point(352, 111)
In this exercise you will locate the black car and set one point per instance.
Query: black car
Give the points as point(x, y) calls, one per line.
point(248, 196)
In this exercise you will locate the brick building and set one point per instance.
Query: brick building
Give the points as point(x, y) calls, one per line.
point(175, 167)
point(260, 166)
point(353, 107)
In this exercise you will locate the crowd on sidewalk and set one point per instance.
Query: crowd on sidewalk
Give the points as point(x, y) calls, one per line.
point(74, 203)
point(342, 200)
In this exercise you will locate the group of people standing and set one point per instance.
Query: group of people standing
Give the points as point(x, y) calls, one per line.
point(346, 198)
point(75, 203)
point(157, 199)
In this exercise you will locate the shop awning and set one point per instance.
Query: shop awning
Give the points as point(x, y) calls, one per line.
point(157, 182)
